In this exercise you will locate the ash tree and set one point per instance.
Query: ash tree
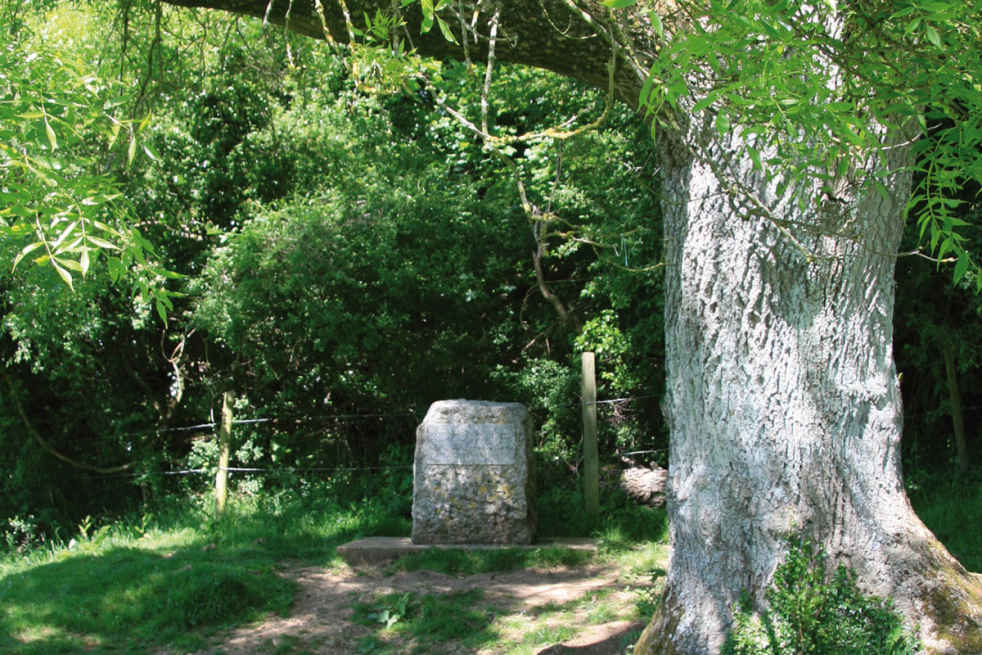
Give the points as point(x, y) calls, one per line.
point(789, 134)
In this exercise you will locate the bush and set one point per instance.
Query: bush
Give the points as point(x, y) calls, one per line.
point(812, 613)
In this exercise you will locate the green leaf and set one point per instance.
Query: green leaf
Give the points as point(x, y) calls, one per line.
point(83, 261)
point(644, 98)
point(131, 151)
point(150, 153)
point(68, 263)
point(427, 7)
point(933, 36)
point(445, 30)
point(161, 309)
point(52, 139)
point(722, 123)
point(28, 249)
point(702, 104)
point(65, 275)
point(755, 156)
point(947, 245)
point(113, 132)
point(65, 234)
point(619, 4)
point(115, 268)
point(961, 267)
point(101, 243)
point(657, 24)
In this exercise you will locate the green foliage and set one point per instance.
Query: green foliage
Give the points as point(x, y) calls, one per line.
point(174, 575)
point(344, 253)
point(548, 388)
point(811, 87)
point(132, 597)
point(812, 612)
point(64, 136)
point(625, 524)
point(933, 315)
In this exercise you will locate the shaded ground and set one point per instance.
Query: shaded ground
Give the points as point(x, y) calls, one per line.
point(590, 606)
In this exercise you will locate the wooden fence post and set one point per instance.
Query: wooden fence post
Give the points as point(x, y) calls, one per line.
point(591, 464)
point(224, 446)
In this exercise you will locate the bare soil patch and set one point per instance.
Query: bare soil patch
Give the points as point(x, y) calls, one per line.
point(593, 603)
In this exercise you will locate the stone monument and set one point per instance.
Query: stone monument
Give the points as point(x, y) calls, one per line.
point(472, 476)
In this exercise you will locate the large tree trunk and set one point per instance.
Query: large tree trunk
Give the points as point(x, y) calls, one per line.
point(783, 399)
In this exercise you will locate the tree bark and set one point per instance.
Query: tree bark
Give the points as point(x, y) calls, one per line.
point(783, 401)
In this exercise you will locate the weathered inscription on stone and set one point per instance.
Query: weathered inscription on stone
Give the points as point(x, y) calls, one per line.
point(492, 445)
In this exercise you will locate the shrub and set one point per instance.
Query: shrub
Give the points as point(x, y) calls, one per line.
point(812, 613)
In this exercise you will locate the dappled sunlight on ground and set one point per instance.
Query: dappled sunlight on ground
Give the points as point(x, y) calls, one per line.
point(587, 604)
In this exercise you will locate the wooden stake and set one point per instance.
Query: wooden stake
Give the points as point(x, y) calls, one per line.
point(591, 463)
point(224, 446)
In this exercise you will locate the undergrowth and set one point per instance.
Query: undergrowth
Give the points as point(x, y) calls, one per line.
point(174, 574)
point(812, 612)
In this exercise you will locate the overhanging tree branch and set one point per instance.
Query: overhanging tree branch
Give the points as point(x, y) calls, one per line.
point(527, 25)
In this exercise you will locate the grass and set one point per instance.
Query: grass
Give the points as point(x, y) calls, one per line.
point(172, 579)
point(469, 562)
point(426, 619)
point(176, 576)
point(951, 511)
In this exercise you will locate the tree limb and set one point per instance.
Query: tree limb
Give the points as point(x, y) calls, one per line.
point(527, 34)
point(51, 449)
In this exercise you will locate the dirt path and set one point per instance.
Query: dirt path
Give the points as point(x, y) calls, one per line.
point(595, 604)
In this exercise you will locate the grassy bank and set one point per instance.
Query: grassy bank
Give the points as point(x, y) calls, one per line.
point(169, 578)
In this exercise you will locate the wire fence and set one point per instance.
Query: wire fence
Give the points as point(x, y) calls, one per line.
point(285, 469)
point(323, 420)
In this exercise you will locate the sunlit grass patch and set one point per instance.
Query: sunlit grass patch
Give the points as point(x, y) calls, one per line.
point(133, 597)
point(549, 634)
point(428, 618)
point(172, 578)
